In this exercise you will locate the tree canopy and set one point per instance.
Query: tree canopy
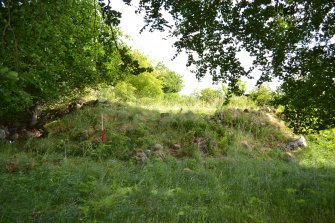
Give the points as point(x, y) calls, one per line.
point(51, 51)
point(290, 40)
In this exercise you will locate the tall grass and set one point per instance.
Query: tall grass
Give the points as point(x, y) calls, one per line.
point(238, 174)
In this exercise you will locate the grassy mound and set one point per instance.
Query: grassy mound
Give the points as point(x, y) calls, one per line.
point(167, 166)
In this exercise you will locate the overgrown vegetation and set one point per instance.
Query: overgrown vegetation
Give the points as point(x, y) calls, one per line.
point(212, 165)
point(218, 155)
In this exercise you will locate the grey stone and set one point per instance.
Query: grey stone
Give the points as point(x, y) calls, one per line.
point(141, 157)
point(36, 112)
point(158, 146)
point(160, 154)
point(246, 145)
point(3, 134)
point(102, 101)
point(176, 146)
point(164, 115)
point(301, 142)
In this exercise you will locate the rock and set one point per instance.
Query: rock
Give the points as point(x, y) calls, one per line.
point(187, 170)
point(246, 145)
point(160, 154)
point(148, 152)
point(301, 142)
point(176, 146)
point(102, 101)
point(36, 112)
point(204, 144)
point(92, 102)
point(141, 157)
point(15, 136)
point(164, 115)
point(289, 157)
point(158, 146)
point(207, 118)
point(76, 105)
point(219, 115)
point(3, 134)
point(13, 166)
point(267, 109)
point(246, 110)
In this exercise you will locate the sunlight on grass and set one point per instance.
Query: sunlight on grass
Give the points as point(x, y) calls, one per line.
point(163, 164)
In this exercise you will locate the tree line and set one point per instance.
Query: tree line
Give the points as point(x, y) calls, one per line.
point(53, 50)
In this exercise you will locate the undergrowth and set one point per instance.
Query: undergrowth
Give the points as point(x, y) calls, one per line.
point(219, 164)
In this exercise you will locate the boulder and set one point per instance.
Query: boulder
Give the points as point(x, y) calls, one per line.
point(204, 144)
point(3, 134)
point(176, 146)
point(102, 101)
point(164, 115)
point(299, 143)
point(187, 170)
point(141, 157)
point(158, 146)
point(160, 154)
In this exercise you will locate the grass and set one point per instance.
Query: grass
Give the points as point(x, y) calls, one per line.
point(239, 174)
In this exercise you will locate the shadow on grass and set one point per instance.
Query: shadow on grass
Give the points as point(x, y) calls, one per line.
point(61, 179)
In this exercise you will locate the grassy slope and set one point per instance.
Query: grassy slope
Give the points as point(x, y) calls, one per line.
point(244, 176)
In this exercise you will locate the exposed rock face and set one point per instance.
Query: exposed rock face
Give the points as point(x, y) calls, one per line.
point(301, 142)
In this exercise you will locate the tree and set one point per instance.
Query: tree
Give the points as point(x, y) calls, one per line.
point(172, 82)
point(290, 40)
point(125, 91)
point(209, 95)
point(50, 47)
point(262, 95)
point(52, 50)
point(146, 85)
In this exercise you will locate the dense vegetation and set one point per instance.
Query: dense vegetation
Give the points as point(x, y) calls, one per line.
point(291, 40)
point(218, 155)
point(177, 162)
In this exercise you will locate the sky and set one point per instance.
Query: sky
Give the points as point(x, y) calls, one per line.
point(158, 47)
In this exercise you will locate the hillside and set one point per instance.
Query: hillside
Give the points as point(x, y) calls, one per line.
point(168, 164)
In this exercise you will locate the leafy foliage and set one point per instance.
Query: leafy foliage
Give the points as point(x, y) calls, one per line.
point(55, 50)
point(125, 91)
point(262, 95)
point(172, 82)
point(146, 86)
point(307, 103)
point(209, 95)
point(289, 40)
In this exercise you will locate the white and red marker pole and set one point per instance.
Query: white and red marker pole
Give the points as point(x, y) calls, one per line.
point(102, 129)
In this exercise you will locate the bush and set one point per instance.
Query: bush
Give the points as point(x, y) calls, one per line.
point(125, 91)
point(146, 85)
point(262, 95)
point(210, 95)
